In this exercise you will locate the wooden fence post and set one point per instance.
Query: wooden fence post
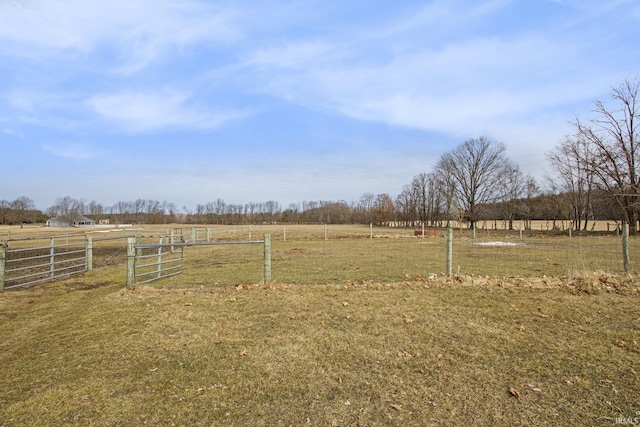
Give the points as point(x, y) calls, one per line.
point(267, 258)
point(131, 262)
point(3, 258)
point(89, 252)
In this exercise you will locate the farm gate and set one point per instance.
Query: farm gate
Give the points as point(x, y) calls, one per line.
point(147, 262)
point(25, 262)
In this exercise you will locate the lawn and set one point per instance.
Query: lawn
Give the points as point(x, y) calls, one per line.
point(184, 352)
point(359, 327)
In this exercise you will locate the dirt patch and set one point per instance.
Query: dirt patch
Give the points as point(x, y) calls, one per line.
point(582, 284)
point(77, 285)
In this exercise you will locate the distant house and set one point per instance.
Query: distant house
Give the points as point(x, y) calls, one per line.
point(77, 220)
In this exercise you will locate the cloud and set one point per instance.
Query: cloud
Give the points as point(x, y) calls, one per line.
point(71, 150)
point(12, 132)
point(151, 111)
point(453, 67)
point(135, 33)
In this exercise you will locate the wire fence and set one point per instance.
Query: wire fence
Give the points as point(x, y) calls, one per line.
point(329, 254)
point(309, 254)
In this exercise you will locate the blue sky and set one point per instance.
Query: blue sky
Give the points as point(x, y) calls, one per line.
point(192, 100)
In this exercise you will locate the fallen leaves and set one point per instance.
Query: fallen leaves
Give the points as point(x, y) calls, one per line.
point(515, 393)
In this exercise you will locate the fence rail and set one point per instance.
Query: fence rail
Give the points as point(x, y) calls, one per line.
point(157, 261)
point(28, 265)
point(152, 261)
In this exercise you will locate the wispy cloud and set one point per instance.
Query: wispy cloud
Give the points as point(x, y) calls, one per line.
point(136, 33)
point(12, 132)
point(72, 150)
point(443, 69)
point(146, 111)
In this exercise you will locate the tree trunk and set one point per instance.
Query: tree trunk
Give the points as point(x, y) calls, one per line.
point(632, 216)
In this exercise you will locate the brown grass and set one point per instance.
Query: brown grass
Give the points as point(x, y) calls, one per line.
point(470, 351)
point(352, 332)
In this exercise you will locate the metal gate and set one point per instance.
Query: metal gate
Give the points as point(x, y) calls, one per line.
point(30, 261)
point(158, 260)
point(154, 261)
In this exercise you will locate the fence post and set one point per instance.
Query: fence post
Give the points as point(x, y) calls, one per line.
point(370, 230)
point(449, 252)
point(3, 258)
point(284, 233)
point(52, 257)
point(137, 241)
point(625, 246)
point(89, 252)
point(131, 262)
point(160, 258)
point(267, 258)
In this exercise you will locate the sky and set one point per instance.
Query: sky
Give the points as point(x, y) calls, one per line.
point(188, 101)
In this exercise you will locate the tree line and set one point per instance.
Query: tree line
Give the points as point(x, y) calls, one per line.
point(594, 175)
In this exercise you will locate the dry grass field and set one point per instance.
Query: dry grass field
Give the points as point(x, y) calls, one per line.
point(340, 342)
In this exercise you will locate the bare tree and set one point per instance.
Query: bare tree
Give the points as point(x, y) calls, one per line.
point(22, 209)
point(405, 206)
point(474, 169)
point(94, 208)
point(572, 163)
point(531, 191)
point(67, 208)
point(383, 208)
point(5, 212)
point(513, 188)
point(419, 192)
point(365, 208)
point(615, 143)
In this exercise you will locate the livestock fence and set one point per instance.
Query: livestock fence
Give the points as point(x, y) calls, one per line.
point(148, 262)
point(315, 253)
point(31, 261)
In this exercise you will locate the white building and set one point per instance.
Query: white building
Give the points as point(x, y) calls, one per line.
point(77, 220)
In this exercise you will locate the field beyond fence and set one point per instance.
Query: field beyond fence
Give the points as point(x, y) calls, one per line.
point(337, 254)
point(357, 327)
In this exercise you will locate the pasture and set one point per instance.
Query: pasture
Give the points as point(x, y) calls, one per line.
point(352, 331)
